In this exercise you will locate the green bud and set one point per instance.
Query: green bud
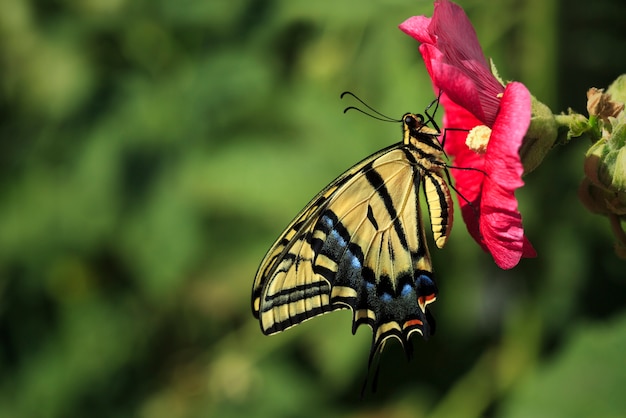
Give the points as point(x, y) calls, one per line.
point(594, 166)
point(619, 173)
point(595, 198)
point(605, 161)
point(617, 89)
point(540, 137)
point(603, 191)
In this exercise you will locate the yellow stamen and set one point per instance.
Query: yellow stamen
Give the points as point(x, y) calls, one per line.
point(478, 138)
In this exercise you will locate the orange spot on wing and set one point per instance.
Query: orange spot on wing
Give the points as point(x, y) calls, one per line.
point(425, 300)
point(413, 322)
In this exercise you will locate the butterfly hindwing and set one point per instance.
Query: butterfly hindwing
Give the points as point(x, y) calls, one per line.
point(360, 244)
point(439, 203)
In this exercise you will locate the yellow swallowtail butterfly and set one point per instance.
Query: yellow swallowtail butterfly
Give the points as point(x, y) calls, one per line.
point(360, 244)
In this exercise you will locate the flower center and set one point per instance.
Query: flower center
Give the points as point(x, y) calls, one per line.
point(478, 138)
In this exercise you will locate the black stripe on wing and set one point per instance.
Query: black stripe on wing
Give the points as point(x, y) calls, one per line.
point(378, 184)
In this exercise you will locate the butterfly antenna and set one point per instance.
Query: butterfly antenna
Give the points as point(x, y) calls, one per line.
point(369, 114)
point(380, 116)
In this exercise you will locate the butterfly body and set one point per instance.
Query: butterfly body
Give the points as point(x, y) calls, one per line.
point(360, 244)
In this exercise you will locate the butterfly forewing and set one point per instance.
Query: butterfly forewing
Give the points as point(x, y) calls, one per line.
point(284, 267)
point(360, 244)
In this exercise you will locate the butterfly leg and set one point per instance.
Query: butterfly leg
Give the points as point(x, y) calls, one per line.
point(431, 117)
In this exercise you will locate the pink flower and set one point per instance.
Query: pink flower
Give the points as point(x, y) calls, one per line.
point(472, 97)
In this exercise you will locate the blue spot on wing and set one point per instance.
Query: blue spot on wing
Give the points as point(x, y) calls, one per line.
point(338, 238)
point(354, 261)
point(327, 221)
point(424, 282)
point(407, 289)
point(425, 285)
point(337, 246)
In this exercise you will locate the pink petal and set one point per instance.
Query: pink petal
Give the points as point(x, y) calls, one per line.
point(471, 84)
point(417, 27)
point(501, 222)
point(455, 60)
point(455, 33)
point(492, 217)
point(528, 251)
point(451, 79)
point(461, 121)
point(468, 182)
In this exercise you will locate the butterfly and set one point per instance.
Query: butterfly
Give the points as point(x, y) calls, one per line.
point(360, 244)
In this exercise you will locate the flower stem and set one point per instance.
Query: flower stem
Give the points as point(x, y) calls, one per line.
point(575, 125)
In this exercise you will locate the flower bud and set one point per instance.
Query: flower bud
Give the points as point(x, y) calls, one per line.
point(599, 104)
point(605, 161)
point(617, 89)
point(540, 137)
point(603, 191)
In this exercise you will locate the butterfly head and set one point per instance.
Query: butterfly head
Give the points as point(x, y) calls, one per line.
point(416, 131)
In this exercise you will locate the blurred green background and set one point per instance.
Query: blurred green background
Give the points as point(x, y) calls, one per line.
point(152, 150)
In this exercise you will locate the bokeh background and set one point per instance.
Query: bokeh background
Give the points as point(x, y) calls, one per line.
point(152, 150)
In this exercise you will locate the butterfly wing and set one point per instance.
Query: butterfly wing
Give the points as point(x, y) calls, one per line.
point(359, 244)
